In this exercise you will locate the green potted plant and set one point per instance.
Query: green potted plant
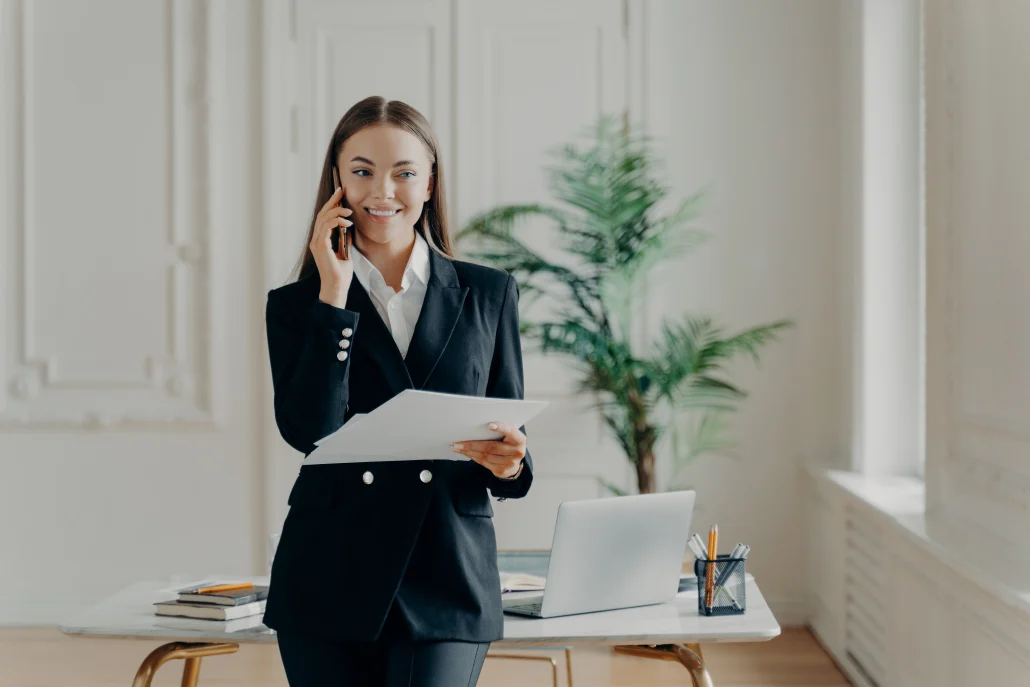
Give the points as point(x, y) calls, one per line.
point(609, 227)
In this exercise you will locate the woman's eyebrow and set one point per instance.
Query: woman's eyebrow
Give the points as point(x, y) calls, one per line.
point(370, 163)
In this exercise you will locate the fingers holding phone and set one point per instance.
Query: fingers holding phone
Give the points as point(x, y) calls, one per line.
point(343, 236)
point(335, 272)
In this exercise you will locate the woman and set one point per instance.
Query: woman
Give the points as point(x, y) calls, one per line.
point(386, 573)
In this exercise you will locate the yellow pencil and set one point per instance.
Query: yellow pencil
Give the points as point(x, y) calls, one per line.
point(713, 554)
point(224, 588)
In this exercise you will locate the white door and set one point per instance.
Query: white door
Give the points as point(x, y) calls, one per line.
point(530, 76)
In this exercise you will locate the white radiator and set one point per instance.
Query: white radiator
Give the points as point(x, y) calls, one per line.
point(865, 599)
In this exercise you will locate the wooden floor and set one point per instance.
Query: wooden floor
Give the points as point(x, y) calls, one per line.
point(47, 658)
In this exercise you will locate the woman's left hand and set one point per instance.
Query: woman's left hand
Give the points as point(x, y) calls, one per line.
point(503, 458)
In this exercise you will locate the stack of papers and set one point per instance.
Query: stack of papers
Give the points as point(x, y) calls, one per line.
point(420, 425)
point(521, 582)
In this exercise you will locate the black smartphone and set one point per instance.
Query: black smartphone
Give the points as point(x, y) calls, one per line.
point(340, 233)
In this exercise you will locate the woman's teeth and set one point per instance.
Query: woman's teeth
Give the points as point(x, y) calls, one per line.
point(383, 213)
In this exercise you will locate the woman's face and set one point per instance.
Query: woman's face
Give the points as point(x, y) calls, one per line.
point(386, 176)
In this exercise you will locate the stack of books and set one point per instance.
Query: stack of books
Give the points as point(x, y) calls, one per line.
point(220, 602)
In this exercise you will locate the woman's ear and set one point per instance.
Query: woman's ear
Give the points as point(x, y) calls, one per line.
point(429, 191)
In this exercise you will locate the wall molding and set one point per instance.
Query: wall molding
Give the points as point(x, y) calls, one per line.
point(175, 386)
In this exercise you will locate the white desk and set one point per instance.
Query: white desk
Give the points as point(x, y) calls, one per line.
point(670, 631)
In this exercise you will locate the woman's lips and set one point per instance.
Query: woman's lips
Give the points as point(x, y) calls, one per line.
point(379, 216)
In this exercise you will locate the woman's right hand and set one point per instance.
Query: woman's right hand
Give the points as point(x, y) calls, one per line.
point(335, 274)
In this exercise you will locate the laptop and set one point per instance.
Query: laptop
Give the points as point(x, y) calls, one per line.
point(612, 553)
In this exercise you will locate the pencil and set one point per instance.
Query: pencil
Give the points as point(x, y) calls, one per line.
point(224, 588)
point(713, 544)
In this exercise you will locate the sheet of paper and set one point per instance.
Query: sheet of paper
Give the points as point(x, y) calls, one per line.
point(354, 419)
point(420, 425)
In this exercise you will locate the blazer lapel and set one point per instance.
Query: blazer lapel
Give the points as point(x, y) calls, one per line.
point(440, 311)
point(375, 338)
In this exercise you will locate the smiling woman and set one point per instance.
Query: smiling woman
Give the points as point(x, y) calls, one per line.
point(386, 573)
point(385, 156)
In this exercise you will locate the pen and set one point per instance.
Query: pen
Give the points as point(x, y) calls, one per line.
point(696, 538)
point(223, 588)
point(734, 561)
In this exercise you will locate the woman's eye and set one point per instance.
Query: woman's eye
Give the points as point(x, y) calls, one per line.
point(407, 177)
point(362, 172)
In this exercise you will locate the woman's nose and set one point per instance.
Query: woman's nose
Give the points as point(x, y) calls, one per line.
point(385, 187)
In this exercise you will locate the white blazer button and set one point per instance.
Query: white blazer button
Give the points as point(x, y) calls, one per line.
point(344, 343)
point(425, 476)
point(367, 478)
point(342, 355)
point(348, 331)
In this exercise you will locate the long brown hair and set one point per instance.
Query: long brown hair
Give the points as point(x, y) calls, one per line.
point(372, 111)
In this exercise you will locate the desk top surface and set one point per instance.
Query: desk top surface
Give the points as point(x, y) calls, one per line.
point(130, 614)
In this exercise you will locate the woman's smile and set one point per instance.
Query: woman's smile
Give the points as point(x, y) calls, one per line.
point(382, 215)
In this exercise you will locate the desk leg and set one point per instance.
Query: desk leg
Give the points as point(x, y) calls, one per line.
point(190, 652)
point(689, 656)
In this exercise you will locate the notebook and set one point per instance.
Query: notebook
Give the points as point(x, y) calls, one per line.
point(208, 611)
point(234, 597)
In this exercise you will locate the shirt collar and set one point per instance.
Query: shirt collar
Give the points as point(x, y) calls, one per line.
point(417, 267)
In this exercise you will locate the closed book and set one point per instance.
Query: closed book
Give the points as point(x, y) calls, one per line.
point(255, 623)
point(208, 611)
point(235, 597)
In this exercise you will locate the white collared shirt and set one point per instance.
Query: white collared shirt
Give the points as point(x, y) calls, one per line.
point(399, 309)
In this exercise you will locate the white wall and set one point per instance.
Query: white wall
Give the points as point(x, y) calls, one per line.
point(743, 95)
point(132, 328)
point(978, 164)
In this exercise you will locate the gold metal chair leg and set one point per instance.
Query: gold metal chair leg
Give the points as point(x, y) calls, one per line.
point(191, 652)
point(191, 672)
point(568, 664)
point(688, 655)
point(517, 657)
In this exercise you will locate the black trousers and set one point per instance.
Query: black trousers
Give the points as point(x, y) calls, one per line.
point(392, 660)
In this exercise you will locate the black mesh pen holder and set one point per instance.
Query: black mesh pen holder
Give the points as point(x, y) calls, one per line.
point(728, 589)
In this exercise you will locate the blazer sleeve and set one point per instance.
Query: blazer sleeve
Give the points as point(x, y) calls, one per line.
point(506, 381)
point(311, 385)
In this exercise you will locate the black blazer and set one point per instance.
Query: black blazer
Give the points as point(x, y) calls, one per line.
point(348, 548)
